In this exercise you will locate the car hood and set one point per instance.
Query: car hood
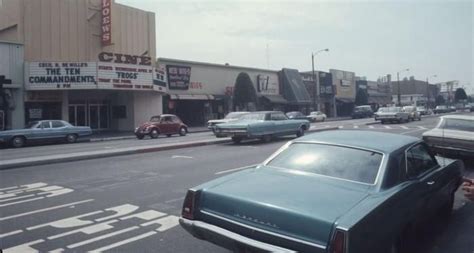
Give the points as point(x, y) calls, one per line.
point(449, 134)
point(285, 202)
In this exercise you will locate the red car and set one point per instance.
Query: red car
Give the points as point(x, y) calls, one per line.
point(166, 124)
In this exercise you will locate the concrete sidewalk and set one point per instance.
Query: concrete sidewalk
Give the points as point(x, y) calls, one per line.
point(59, 158)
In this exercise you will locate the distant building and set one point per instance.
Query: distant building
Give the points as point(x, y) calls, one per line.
point(326, 90)
point(412, 88)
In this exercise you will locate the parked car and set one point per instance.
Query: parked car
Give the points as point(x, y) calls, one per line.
point(305, 198)
point(296, 115)
point(453, 136)
point(412, 113)
point(391, 114)
point(441, 109)
point(44, 131)
point(166, 124)
point(363, 111)
point(422, 110)
point(316, 116)
point(261, 125)
point(231, 116)
point(471, 107)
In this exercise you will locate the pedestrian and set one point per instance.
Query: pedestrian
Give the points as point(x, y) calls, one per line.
point(468, 188)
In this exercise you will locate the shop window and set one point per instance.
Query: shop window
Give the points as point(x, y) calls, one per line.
point(119, 112)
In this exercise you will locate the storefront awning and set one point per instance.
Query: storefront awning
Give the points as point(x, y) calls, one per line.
point(191, 97)
point(275, 99)
point(294, 89)
point(345, 100)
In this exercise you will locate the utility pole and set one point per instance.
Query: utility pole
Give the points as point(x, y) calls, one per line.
point(398, 84)
point(428, 91)
point(316, 82)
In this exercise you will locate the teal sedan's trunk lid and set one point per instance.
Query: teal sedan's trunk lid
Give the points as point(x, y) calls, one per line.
point(292, 204)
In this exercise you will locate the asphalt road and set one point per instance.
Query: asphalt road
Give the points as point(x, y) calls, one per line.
point(54, 149)
point(131, 203)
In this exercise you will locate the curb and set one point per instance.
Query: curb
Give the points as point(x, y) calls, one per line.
point(15, 163)
point(372, 123)
point(127, 137)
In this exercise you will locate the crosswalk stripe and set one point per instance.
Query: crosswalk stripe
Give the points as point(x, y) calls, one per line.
point(422, 127)
point(356, 126)
point(371, 126)
point(404, 127)
point(388, 127)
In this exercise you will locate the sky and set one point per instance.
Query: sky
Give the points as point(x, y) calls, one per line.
point(370, 38)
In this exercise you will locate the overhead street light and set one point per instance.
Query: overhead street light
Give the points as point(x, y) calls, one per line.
point(428, 90)
point(398, 82)
point(316, 82)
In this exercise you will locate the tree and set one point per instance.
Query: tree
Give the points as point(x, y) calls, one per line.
point(460, 94)
point(244, 91)
point(440, 100)
point(361, 97)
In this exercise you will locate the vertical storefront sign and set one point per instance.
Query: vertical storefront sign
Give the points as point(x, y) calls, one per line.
point(267, 84)
point(106, 24)
point(61, 75)
point(178, 77)
point(159, 78)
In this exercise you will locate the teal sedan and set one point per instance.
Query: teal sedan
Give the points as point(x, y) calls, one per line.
point(44, 131)
point(262, 125)
point(334, 191)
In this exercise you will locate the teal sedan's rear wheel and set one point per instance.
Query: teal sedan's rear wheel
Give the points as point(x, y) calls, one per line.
point(18, 141)
point(300, 132)
point(236, 140)
point(71, 138)
point(267, 138)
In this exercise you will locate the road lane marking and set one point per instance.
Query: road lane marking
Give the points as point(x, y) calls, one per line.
point(60, 250)
point(120, 211)
point(15, 198)
point(165, 223)
point(11, 233)
point(371, 126)
point(45, 209)
point(25, 247)
point(236, 169)
point(422, 127)
point(120, 243)
point(87, 230)
point(146, 215)
point(98, 238)
point(387, 127)
point(412, 131)
point(21, 201)
point(174, 200)
point(181, 156)
point(356, 126)
point(404, 127)
point(67, 222)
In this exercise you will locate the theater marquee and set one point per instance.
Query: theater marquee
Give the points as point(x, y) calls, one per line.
point(61, 75)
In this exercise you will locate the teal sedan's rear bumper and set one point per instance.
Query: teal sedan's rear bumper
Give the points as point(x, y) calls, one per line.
point(226, 238)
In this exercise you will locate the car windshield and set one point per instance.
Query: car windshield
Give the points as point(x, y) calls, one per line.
point(155, 119)
point(254, 116)
point(234, 115)
point(458, 124)
point(293, 114)
point(389, 109)
point(358, 165)
point(32, 124)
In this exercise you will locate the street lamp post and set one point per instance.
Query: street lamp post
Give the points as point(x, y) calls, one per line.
point(428, 91)
point(316, 80)
point(398, 84)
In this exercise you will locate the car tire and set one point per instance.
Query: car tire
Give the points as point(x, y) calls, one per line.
point(266, 138)
point(324, 119)
point(300, 132)
point(236, 140)
point(140, 137)
point(18, 141)
point(183, 131)
point(154, 133)
point(71, 138)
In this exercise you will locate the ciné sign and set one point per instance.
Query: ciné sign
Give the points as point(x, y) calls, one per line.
point(125, 59)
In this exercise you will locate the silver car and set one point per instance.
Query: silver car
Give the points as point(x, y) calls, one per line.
point(392, 114)
point(453, 136)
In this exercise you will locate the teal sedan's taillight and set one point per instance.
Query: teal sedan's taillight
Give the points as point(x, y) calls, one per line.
point(338, 243)
point(189, 205)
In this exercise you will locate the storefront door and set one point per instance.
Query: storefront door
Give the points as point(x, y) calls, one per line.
point(77, 115)
point(99, 116)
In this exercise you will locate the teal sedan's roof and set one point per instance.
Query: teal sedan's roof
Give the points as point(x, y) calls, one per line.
point(384, 142)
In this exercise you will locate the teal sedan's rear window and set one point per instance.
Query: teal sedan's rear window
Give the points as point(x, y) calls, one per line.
point(328, 160)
